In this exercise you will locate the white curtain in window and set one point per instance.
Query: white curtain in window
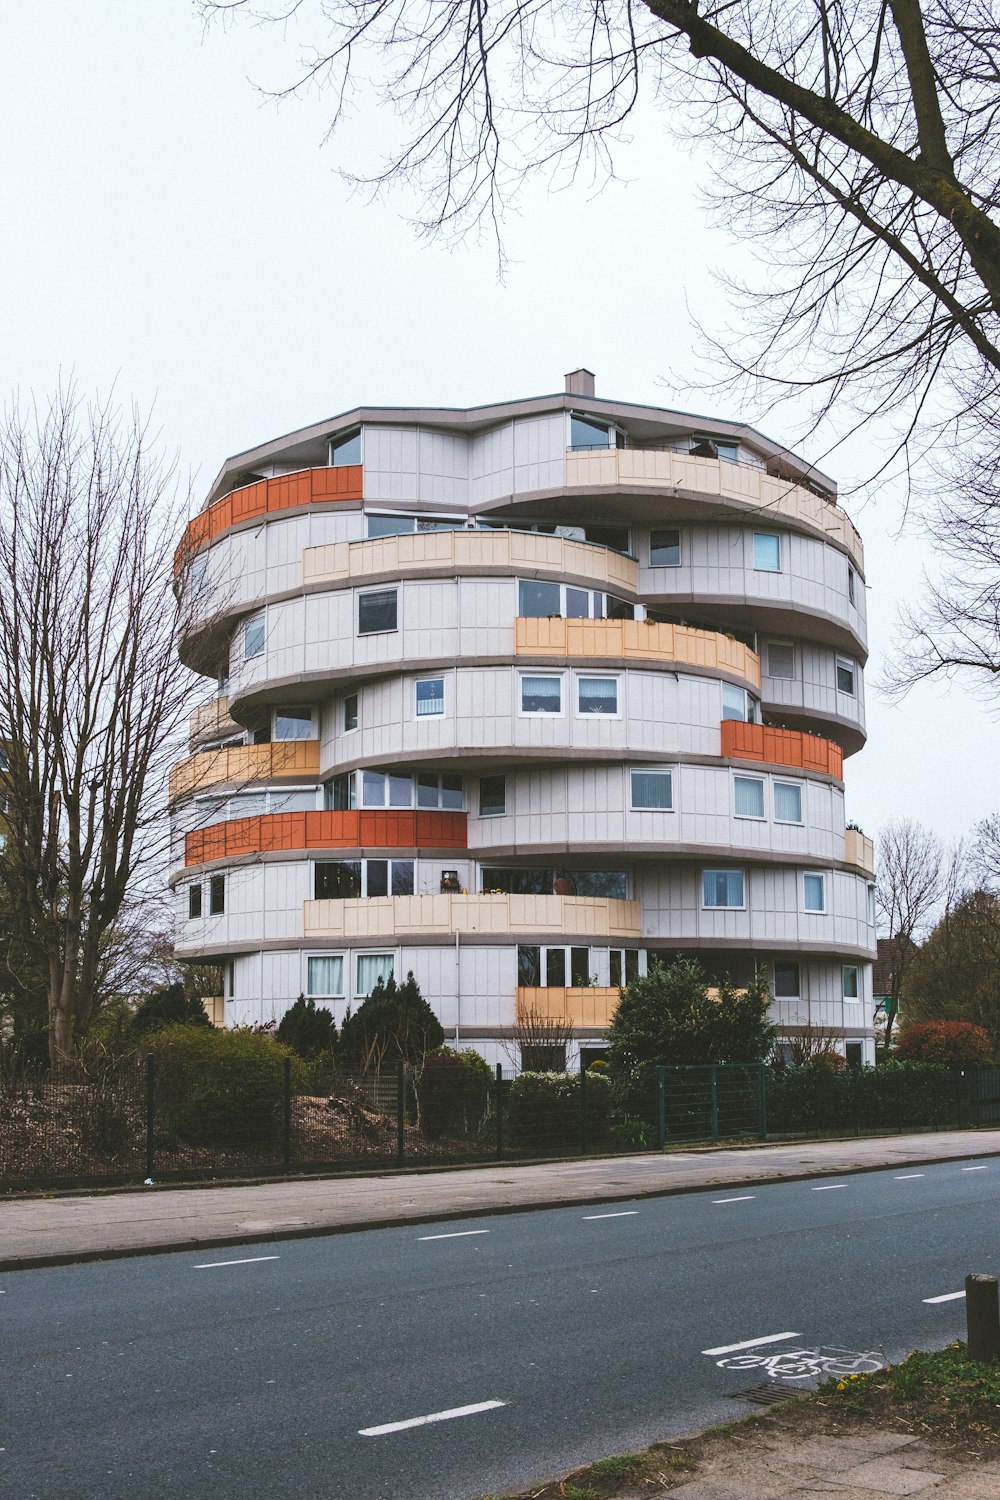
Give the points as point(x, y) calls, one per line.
point(599, 695)
point(652, 789)
point(749, 797)
point(326, 976)
point(787, 803)
point(722, 888)
point(371, 968)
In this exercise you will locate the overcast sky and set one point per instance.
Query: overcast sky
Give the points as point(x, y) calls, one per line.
point(165, 229)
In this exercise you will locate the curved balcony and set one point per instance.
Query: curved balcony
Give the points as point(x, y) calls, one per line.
point(385, 918)
point(738, 485)
point(781, 747)
point(211, 720)
point(584, 1007)
point(429, 552)
point(286, 492)
point(242, 763)
point(366, 828)
point(859, 851)
point(635, 640)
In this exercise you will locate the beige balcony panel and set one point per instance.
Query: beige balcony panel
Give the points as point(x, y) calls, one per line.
point(636, 640)
point(584, 1006)
point(713, 477)
point(241, 763)
point(385, 917)
point(211, 718)
point(425, 552)
point(859, 851)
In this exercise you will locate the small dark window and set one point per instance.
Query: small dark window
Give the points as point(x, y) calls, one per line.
point(618, 609)
point(261, 735)
point(615, 968)
point(855, 1054)
point(492, 796)
point(588, 432)
point(845, 676)
point(613, 537)
point(346, 449)
point(850, 584)
point(217, 895)
point(529, 966)
point(579, 966)
point(536, 599)
point(631, 964)
point(786, 982)
point(350, 712)
point(194, 901)
point(337, 879)
point(340, 792)
point(378, 877)
point(377, 612)
point(665, 549)
point(555, 967)
point(402, 877)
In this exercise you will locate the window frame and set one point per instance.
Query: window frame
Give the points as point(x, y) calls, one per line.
point(769, 536)
point(666, 531)
point(365, 594)
point(781, 963)
point(758, 781)
point(498, 811)
point(541, 713)
point(437, 713)
point(665, 772)
point(339, 441)
point(724, 906)
point(252, 622)
point(326, 994)
point(751, 705)
point(848, 665)
point(390, 954)
point(854, 969)
point(346, 727)
point(217, 896)
point(581, 678)
point(788, 646)
point(798, 786)
point(287, 714)
point(195, 902)
point(815, 911)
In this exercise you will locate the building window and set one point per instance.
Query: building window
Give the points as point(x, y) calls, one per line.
point(194, 902)
point(253, 637)
point(845, 676)
point(492, 796)
point(217, 895)
point(851, 991)
point(371, 968)
point(786, 981)
point(749, 796)
point(530, 880)
point(590, 432)
point(722, 888)
point(348, 879)
point(597, 695)
point(379, 526)
point(339, 793)
point(767, 552)
point(814, 893)
point(787, 802)
point(406, 789)
point(541, 695)
point(553, 967)
point(325, 976)
point(850, 584)
point(293, 724)
point(652, 790)
point(623, 966)
point(429, 697)
point(855, 1055)
point(871, 906)
point(780, 660)
point(345, 449)
point(377, 612)
point(665, 549)
point(737, 703)
point(4, 758)
point(703, 446)
point(537, 600)
point(350, 712)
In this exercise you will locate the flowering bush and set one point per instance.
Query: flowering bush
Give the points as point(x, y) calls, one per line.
point(955, 1044)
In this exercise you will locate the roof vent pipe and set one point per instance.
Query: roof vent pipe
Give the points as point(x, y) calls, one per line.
point(580, 383)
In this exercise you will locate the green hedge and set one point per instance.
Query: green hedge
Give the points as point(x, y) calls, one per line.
point(220, 1088)
point(452, 1093)
point(545, 1112)
point(892, 1097)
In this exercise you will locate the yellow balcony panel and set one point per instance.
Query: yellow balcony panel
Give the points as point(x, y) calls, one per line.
point(432, 552)
point(712, 477)
point(859, 851)
point(382, 918)
point(636, 640)
point(210, 719)
point(242, 763)
point(584, 1006)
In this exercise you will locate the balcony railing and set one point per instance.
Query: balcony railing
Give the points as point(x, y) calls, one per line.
point(306, 487)
point(781, 747)
point(210, 719)
point(712, 477)
point(585, 1006)
point(859, 850)
point(243, 763)
point(473, 551)
point(363, 828)
point(636, 640)
point(383, 918)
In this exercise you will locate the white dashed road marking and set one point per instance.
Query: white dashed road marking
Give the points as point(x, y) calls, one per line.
point(829, 1187)
point(975, 1169)
point(767, 1338)
point(948, 1297)
point(251, 1260)
point(625, 1213)
point(435, 1416)
point(459, 1234)
point(909, 1176)
point(748, 1198)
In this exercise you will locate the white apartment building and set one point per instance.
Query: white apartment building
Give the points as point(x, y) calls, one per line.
point(520, 697)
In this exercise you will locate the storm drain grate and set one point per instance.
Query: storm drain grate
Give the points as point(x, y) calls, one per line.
point(768, 1394)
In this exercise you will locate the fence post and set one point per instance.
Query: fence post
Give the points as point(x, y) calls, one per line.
point(714, 1085)
point(286, 1124)
point(498, 1109)
point(400, 1110)
point(583, 1104)
point(982, 1315)
point(762, 1109)
point(150, 1110)
point(661, 1106)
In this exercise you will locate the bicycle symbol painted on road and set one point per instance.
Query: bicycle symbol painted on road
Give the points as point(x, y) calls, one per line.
point(805, 1364)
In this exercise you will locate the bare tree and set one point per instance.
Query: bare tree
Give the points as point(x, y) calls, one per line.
point(855, 144)
point(916, 875)
point(540, 1041)
point(92, 691)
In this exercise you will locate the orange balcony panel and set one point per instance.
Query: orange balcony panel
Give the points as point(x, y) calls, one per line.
point(307, 487)
point(358, 829)
point(781, 747)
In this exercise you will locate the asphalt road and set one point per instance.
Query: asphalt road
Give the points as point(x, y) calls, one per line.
point(298, 1369)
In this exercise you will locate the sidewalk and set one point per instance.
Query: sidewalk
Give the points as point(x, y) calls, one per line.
point(54, 1231)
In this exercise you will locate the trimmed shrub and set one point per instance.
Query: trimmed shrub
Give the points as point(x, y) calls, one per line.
point(220, 1088)
point(452, 1093)
point(954, 1044)
point(309, 1030)
point(168, 1007)
point(544, 1112)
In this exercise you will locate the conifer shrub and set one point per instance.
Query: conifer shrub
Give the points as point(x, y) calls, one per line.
point(309, 1030)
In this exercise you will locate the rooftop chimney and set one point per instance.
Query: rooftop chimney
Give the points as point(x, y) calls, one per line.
point(580, 383)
